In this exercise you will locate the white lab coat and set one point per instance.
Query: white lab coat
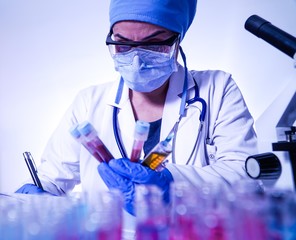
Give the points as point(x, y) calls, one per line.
point(228, 132)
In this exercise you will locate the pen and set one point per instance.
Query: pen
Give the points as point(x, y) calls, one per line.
point(32, 168)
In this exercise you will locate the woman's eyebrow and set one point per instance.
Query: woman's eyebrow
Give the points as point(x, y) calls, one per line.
point(118, 35)
point(154, 34)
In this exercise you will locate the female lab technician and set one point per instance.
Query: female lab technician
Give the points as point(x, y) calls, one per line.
point(144, 41)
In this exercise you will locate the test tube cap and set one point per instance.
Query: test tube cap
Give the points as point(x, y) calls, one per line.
point(142, 129)
point(85, 128)
point(74, 131)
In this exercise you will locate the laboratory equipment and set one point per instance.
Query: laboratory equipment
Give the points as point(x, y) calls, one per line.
point(186, 216)
point(86, 134)
point(105, 219)
point(290, 147)
point(152, 214)
point(91, 137)
point(140, 136)
point(286, 133)
point(249, 210)
point(282, 115)
point(72, 216)
point(90, 147)
point(263, 166)
point(159, 153)
point(275, 36)
point(285, 127)
point(246, 211)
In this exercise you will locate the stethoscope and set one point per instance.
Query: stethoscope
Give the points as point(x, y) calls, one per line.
point(185, 104)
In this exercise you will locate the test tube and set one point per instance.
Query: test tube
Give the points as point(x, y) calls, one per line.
point(105, 218)
point(92, 139)
point(152, 215)
point(251, 210)
point(159, 153)
point(78, 136)
point(140, 136)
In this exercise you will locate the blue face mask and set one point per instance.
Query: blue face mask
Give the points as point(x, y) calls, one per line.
point(145, 70)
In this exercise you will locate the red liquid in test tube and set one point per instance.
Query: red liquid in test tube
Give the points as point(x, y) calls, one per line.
point(92, 139)
point(140, 136)
point(78, 136)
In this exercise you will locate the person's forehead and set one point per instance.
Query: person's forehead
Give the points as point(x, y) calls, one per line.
point(136, 26)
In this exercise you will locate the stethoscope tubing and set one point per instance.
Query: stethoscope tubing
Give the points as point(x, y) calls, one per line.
point(188, 103)
point(116, 133)
point(115, 120)
point(184, 103)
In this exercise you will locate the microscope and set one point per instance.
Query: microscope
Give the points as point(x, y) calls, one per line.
point(267, 166)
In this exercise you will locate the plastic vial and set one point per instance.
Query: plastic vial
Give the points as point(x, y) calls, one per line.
point(78, 136)
point(250, 210)
point(105, 220)
point(152, 220)
point(92, 139)
point(159, 153)
point(140, 136)
point(186, 214)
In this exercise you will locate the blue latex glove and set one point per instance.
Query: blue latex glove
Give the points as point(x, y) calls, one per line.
point(124, 175)
point(30, 189)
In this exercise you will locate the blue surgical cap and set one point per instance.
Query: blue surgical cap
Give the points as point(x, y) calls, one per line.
point(174, 15)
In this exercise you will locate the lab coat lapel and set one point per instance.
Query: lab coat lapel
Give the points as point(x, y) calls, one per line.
point(187, 134)
point(125, 116)
point(173, 100)
point(188, 126)
point(126, 122)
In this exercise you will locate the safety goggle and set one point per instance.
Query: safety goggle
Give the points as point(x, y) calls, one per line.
point(166, 46)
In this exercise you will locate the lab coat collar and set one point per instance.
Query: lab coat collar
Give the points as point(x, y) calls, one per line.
point(126, 119)
point(124, 97)
point(173, 99)
point(177, 81)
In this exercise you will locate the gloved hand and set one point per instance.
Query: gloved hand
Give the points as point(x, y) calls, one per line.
point(123, 174)
point(30, 189)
